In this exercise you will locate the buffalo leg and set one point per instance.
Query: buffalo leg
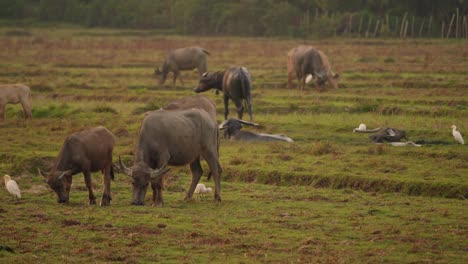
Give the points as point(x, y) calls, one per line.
point(226, 106)
point(2, 111)
point(197, 172)
point(106, 194)
point(156, 185)
point(26, 108)
point(216, 170)
point(89, 185)
point(240, 109)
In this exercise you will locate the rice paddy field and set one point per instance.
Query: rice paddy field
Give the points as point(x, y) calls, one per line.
point(332, 196)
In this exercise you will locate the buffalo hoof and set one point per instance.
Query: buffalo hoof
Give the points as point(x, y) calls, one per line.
point(217, 200)
point(105, 200)
point(158, 204)
point(138, 203)
point(92, 202)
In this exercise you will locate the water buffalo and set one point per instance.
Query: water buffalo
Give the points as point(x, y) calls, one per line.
point(232, 128)
point(85, 151)
point(188, 102)
point(174, 137)
point(307, 61)
point(180, 60)
point(235, 83)
point(384, 134)
point(14, 94)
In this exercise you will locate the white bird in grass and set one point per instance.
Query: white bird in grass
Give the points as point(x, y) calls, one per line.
point(202, 189)
point(12, 187)
point(362, 127)
point(308, 78)
point(456, 134)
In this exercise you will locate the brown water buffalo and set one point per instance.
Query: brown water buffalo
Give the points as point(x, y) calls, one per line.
point(174, 137)
point(180, 60)
point(235, 83)
point(14, 94)
point(307, 60)
point(85, 151)
point(198, 101)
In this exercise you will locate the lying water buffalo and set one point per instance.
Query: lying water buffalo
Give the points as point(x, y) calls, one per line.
point(307, 60)
point(232, 128)
point(85, 151)
point(180, 60)
point(235, 83)
point(384, 134)
point(14, 94)
point(188, 102)
point(174, 137)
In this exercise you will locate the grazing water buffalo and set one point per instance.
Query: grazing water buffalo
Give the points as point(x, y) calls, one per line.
point(188, 102)
point(14, 94)
point(174, 137)
point(384, 134)
point(307, 60)
point(180, 60)
point(235, 83)
point(85, 151)
point(232, 128)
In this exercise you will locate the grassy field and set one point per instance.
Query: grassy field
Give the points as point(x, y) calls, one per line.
point(332, 196)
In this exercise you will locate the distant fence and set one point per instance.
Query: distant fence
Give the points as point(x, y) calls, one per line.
point(370, 26)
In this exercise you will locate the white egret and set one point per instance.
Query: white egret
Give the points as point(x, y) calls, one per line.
point(12, 187)
point(362, 127)
point(456, 134)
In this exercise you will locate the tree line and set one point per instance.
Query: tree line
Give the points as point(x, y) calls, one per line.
point(296, 18)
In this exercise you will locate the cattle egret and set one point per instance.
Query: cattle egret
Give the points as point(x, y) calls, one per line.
point(12, 187)
point(308, 78)
point(362, 127)
point(201, 189)
point(456, 134)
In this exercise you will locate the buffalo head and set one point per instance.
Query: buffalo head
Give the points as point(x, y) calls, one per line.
point(331, 78)
point(141, 175)
point(60, 182)
point(208, 81)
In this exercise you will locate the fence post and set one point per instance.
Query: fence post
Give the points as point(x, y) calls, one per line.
point(376, 27)
point(456, 26)
point(421, 28)
point(368, 26)
point(429, 27)
point(450, 26)
point(442, 29)
point(403, 24)
point(406, 28)
point(412, 28)
point(360, 25)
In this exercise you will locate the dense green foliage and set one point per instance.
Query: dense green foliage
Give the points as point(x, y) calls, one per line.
point(242, 17)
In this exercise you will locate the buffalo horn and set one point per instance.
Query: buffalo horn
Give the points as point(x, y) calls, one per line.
point(40, 173)
point(160, 171)
point(124, 169)
point(247, 123)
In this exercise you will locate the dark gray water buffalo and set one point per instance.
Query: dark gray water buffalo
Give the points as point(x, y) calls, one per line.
point(174, 137)
point(235, 83)
point(384, 134)
point(85, 151)
point(180, 60)
point(232, 128)
point(306, 62)
point(14, 94)
point(198, 101)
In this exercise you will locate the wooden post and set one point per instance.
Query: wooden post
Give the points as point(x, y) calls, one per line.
point(376, 27)
point(360, 25)
point(396, 26)
point(403, 24)
point(368, 27)
point(406, 28)
point(450, 26)
point(442, 29)
point(429, 27)
point(456, 26)
point(421, 28)
point(412, 28)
